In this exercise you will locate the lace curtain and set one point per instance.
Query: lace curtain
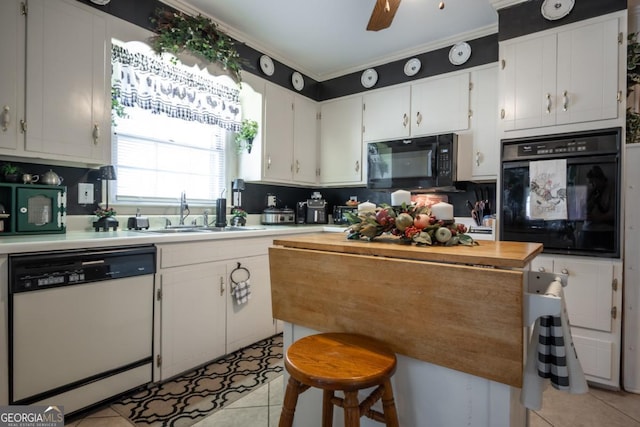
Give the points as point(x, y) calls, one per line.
point(146, 81)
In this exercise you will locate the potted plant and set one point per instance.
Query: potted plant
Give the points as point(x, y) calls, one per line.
point(244, 137)
point(10, 172)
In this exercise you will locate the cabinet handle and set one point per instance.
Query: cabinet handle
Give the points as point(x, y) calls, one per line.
point(619, 96)
point(564, 271)
point(548, 103)
point(477, 158)
point(6, 118)
point(96, 133)
point(357, 166)
point(541, 269)
point(268, 162)
point(418, 118)
point(405, 120)
point(502, 113)
point(565, 101)
point(503, 63)
point(221, 286)
point(297, 166)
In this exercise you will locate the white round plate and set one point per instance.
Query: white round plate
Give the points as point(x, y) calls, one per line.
point(460, 53)
point(412, 67)
point(266, 65)
point(369, 78)
point(297, 80)
point(556, 9)
point(101, 2)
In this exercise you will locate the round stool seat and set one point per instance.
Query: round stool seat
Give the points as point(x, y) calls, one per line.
point(339, 361)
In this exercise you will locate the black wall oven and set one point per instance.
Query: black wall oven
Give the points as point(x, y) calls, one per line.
point(563, 191)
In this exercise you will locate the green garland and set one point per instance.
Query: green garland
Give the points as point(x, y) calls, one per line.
point(633, 79)
point(177, 32)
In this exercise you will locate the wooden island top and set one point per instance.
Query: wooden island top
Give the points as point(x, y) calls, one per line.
point(458, 307)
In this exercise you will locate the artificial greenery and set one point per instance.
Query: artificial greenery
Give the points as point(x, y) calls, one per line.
point(177, 32)
point(633, 79)
point(9, 169)
point(244, 138)
point(117, 109)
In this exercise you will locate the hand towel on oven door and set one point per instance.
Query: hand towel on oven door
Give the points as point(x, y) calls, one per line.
point(552, 356)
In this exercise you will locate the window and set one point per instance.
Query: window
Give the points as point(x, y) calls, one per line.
point(176, 125)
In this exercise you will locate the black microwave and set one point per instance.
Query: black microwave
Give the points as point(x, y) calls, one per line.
point(417, 163)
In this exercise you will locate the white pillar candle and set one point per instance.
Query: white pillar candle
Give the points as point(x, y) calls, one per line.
point(399, 197)
point(443, 211)
point(365, 207)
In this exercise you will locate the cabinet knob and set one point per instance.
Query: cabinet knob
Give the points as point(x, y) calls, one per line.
point(548, 103)
point(541, 269)
point(564, 271)
point(405, 120)
point(357, 166)
point(418, 118)
point(503, 63)
point(502, 113)
point(477, 158)
point(96, 133)
point(565, 100)
point(5, 119)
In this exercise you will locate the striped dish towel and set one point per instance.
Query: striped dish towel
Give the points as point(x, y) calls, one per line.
point(241, 292)
point(552, 357)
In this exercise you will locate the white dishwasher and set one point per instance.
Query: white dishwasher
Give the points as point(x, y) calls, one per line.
point(80, 325)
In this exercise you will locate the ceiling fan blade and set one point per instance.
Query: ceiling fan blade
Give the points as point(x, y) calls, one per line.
point(382, 14)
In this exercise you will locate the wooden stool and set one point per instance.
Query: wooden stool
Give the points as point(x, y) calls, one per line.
point(346, 362)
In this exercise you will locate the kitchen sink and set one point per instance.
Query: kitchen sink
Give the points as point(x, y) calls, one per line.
point(234, 228)
point(199, 229)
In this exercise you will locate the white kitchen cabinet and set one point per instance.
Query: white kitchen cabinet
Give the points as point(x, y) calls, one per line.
point(440, 105)
point(594, 301)
point(385, 114)
point(562, 76)
point(289, 138)
point(12, 38)
point(68, 109)
point(482, 137)
point(192, 317)
point(198, 319)
point(341, 142)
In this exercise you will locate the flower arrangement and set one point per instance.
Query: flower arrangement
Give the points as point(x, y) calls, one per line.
point(246, 134)
point(104, 213)
point(410, 223)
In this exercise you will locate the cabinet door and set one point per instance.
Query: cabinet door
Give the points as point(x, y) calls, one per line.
point(253, 321)
point(278, 135)
point(385, 114)
point(341, 141)
point(588, 73)
point(305, 134)
point(440, 105)
point(529, 83)
point(68, 111)
point(192, 317)
point(484, 123)
point(12, 38)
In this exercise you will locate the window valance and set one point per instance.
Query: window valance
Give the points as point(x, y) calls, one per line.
point(148, 82)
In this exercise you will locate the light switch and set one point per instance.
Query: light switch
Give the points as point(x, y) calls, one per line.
point(85, 193)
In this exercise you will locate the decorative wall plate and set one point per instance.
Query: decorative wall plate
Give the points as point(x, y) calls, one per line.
point(369, 78)
point(412, 67)
point(556, 9)
point(460, 53)
point(297, 80)
point(266, 65)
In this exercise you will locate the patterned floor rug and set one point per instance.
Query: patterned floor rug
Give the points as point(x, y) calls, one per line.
point(199, 393)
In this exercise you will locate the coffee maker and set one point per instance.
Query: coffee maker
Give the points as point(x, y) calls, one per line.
point(316, 209)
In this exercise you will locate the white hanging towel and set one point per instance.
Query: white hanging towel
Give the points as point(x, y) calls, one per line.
point(552, 357)
point(548, 189)
point(241, 292)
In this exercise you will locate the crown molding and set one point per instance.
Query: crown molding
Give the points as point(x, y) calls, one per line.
point(501, 4)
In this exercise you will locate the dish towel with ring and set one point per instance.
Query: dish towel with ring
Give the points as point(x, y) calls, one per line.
point(240, 285)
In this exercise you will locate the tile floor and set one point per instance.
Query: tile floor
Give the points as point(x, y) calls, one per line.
point(261, 408)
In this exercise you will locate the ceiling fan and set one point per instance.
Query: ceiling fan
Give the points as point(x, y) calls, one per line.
point(383, 13)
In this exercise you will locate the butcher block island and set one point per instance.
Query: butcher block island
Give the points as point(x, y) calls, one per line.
point(453, 314)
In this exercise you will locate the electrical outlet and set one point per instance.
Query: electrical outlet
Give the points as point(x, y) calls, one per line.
point(85, 193)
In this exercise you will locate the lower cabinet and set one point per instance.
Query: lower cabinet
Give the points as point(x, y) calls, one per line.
point(594, 302)
point(197, 317)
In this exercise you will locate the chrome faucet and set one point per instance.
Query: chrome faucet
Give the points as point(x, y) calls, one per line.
point(183, 207)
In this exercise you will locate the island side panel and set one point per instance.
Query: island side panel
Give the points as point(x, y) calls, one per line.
point(461, 317)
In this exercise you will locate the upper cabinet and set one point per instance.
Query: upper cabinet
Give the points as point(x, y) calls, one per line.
point(341, 142)
point(64, 113)
point(12, 30)
point(285, 149)
point(568, 75)
point(436, 105)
